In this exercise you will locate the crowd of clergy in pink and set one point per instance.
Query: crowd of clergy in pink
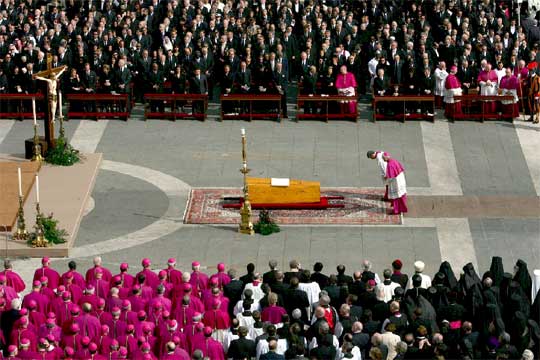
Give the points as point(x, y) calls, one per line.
point(103, 316)
point(489, 85)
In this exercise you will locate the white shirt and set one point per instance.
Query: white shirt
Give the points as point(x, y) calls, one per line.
point(426, 282)
point(262, 347)
point(313, 344)
point(389, 290)
point(239, 307)
point(258, 294)
point(312, 290)
point(357, 355)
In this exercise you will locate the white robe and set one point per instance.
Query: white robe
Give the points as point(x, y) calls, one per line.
point(382, 165)
point(440, 80)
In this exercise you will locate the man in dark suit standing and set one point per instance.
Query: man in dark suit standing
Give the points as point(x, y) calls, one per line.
point(243, 81)
point(233, 290)
point(465, 76)
point(397, 70)
point(310, 89)
point(89, 80)
point(123, 78)
point(381, 86)
point(198, 85)
point(242, 348)
point(426, 87)
point(282, 84)
point(155, 80)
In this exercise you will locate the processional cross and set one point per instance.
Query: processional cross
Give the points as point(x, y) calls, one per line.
point(50, 76)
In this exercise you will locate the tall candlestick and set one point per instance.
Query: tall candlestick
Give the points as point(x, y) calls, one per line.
point(37, 189)
point(34, 110)
point(243, 132)
point(20, 182)
point(60, 103)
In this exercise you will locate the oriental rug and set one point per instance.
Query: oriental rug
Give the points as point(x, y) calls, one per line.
point(363, 206)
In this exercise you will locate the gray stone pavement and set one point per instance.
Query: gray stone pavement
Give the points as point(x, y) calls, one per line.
point(489, 160)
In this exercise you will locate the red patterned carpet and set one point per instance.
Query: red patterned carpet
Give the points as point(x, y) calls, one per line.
point(363, 206)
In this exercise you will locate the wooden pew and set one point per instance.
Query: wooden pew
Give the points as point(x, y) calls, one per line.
point(472, 107)
point(250, 99)
point(403, 100)
point(19, 106)
point(171, 103)
point(105, 106)
point(325, 101)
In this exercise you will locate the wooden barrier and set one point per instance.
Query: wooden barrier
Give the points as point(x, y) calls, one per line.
point(174, 101)
point(404, 115)
point(103, 106)
point(249, 99)
point(19, 106)
point(474, 107)
point(324, 102)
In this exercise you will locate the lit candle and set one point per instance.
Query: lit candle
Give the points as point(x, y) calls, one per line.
point(34, 110)
point(245, 166)
point(37, 189)
point(243, 132)
point(20, 182)
point(60, 103)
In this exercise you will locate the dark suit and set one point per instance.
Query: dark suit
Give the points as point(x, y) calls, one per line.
point(397, 72)
point(320, 279)
point(155, 82)
point(282, 84)
point(198, 85)
point(272, 356)
point(89, 83)
point(233, 291)
point(310, 88)
point(465, 76)
point(242, 348)
point(243, 82)
point(296, 299)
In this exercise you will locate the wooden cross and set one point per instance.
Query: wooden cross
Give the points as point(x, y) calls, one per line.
point(50, 76)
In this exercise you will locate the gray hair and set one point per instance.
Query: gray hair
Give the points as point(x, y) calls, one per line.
point(401, 347)
point(272, 264)
point(366, 264)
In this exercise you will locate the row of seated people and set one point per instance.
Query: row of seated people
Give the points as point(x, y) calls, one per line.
point(344, 84)
point(413, 83)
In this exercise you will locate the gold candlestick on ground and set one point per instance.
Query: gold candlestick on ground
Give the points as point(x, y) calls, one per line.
point(21, 233)
point(37, 147)
point(40, 240)
point(61, 134)
point(246, 226)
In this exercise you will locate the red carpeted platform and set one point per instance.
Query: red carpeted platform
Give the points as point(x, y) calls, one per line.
point(349, 206)
point(323, 204)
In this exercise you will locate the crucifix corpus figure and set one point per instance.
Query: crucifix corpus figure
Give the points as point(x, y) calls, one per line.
point(51, 77)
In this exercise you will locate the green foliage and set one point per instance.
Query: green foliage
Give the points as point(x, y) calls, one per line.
point(51, 232)
point(62, 154)
point(265, 225)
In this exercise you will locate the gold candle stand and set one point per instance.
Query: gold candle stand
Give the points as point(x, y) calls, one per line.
point(246, 226)
point(37, 146)
point(21, 233)
point(40, 240)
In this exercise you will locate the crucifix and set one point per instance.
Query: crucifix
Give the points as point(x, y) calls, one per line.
point(50, 76)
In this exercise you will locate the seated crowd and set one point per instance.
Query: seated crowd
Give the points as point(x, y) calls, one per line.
point(294, 314)
point(254, 47)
